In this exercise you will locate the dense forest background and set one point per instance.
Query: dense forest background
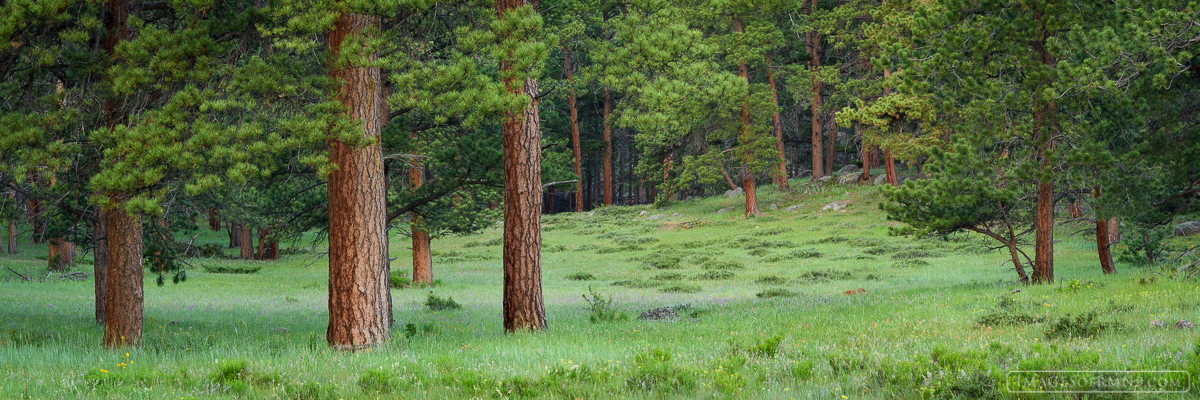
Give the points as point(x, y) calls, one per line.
point(123, 123)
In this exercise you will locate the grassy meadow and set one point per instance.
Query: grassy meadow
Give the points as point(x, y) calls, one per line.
point(763, 305)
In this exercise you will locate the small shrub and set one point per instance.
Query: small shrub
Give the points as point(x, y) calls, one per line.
point(914, 263)
point(628, 240)
point(231, 269)
point(804, 253)
point(828, 275)
point(1009, 318)
point(758, 252)
point(831, 240)
point(802, 371)
point(693, 223)
point(913, 254)
point(1086, 325)
point(654, 370)
point(722, 265)
point(680, 288)
point(715, 275)
point(768, 347)
point(668, 276)
point(581, 276)
point(661, 261)
point(771, 280)
point(411, 330)
point(435, 303)
point(619, 249)
point(398, 281)
point(211, 250)
point(638, 284)
point(775, 292)
point(602, 308)
point(376, 381)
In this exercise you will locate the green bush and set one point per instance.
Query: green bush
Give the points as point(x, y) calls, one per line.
point(771, 280)
point(231, 268)
point(714, 275)
point(1086, 325)
point(775, 292)
point(376, 381)
point(680, 288)
point(581, 276)
point(654, 370)
point(602, 308)
point(768, 347)
point(435, 303)
point(398, 281)
point(661, 261)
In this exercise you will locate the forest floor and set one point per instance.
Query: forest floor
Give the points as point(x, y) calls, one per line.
point(764, 305)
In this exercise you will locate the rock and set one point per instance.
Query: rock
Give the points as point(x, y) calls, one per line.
point(1015, 291)
point(793, 208)
point(826, 178)
point(658, 314)
point(1188, 228)
point(722, 210)
point(836, 206)
point(804, 174)
point(734, 193)
point(280, 330)
point(656, 216)
point(849, 178)
point(1184, 325)
point(774, 207)
point(1157, 324)
point(677, 215)
point(690, 198)
point(644, 213)
point(881, 179)
point(847, 169)
point(592, 213)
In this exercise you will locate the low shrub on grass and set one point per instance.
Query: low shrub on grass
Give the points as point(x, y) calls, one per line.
point(581, 276)
point(805, 253)
point(1086, 325)
point(223, 268)
point(771, 280)
point(914, 263)
point(722, 265)
point(801, 370)
point(714, 275)
point(827, 275)
point(775, 292)
point(398, 281)
point(602, 308)
point(680, 288)
point(767, 347)
point(661, 261)
point(668, 276)
point(435, 303)
point(654, 370)
point(1009, 318)
point(377, 382)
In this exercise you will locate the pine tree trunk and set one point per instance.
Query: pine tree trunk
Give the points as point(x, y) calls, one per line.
point(247, 242)
point(123, 308)
point(1074, 210)
point(53, 258)
point(214, 220)
point(1043, 268)
point(608, 172)
point(744, 134)
point(782, 177)
point(235, 235)
point(260, 252)
point(100, 263)
point(576, 150)
point(360, 312)
point(422, 246)
point(866, 154)
point(12, 237)
point(1102, 236)
point(814, 43)
point(889, 166)
point(1114, 231)
point(523, 305)
point(35, 221)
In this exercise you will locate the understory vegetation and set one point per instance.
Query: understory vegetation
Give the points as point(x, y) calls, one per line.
point(803, 303)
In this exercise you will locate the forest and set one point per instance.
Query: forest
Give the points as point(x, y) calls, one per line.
point(599, 198)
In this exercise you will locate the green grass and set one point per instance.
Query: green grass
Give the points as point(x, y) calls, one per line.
point(761, 300)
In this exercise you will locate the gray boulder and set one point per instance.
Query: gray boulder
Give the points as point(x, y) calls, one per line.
point(659, 314)
point(734, 193)
point(849, 178)
point(793, 208)
point(847, 169)
point(722, 210)
point(881, 179)
point(656, 216)
point(1188, 228)
point(804, 174)
point(774, 207)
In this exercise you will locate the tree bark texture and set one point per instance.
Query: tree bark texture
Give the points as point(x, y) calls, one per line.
point(12, 237)
point(574, 133)
point(422, 252)
point(1043, 265)
point(813, 45)
point(523, 305)
point(744, 134)
point(608, 172)
point(123, 311)
point(100, 264)
point(782, 174)
point(235, 235)
point(246, 241)
point(866, 154)
point(1102, 237)
point(214, 220)
point(359, 296)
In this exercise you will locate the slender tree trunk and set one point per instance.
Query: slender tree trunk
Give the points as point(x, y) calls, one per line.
point(608, 172)
point(360, 313)
point(123, 311)
point(782, 177)
point(100, 264)
point(1074, 210)
point(53, 258)
point(889, 162)
point(12, 237)
point(260, 253)
point(574, 132)
point(866, 153)
point(744, 134)
point(214, 219)
point(422, 243)
point(1102, 236)
point(831, 146)
point(247, 242)
point(35, 221)
point(523, 305)
point(235, 235)
point(1043, 266)
point(814, 65)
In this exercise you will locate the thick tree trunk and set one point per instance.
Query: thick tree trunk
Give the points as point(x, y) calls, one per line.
point(1102, 236)
point(608, 172)
point(260, 252)
point(214, 220)
point(123, 311)
point(889, 167)
point(100, 264)
point(782, 174)
point(523, 305)
point(360, 309)
point(1043, 266)
point(61, 254)
point(247, 242)
point(574, 133)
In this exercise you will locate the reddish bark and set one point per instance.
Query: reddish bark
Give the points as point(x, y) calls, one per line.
point(123, 308)
point(574, 133)
point(1074, 210)
point(100, 264)
point(748, 185)
point(866, 154)
point(12, 237)
point(1102, 237)
point(523, 304)
point(813, 45)
point(359, 297)
point(247, 242)
point(214, 220)
point(781, 176)
point(422, 246)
